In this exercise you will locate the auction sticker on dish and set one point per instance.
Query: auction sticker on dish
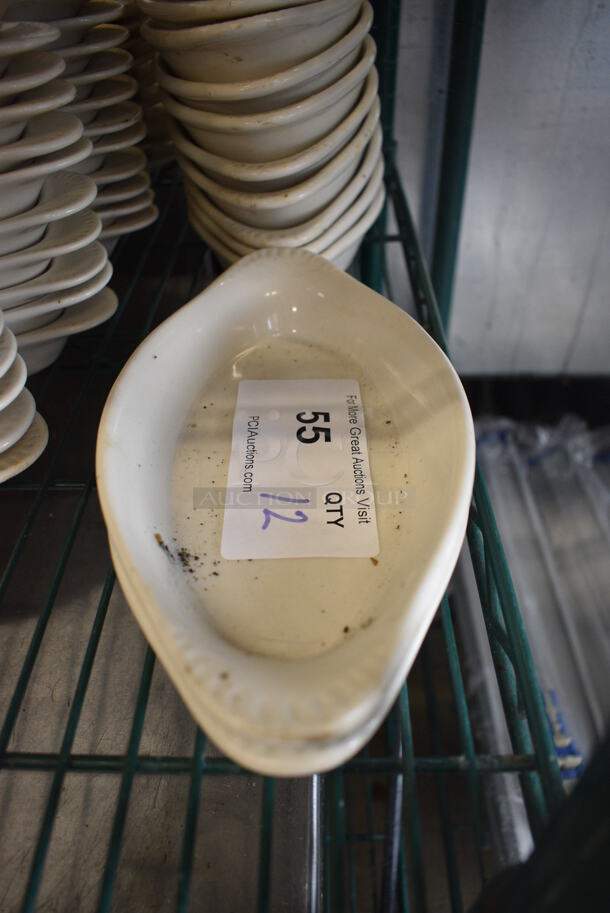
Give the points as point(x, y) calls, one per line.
point(299, 481)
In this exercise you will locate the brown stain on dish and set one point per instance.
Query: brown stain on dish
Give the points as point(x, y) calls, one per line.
point(186, 557)
point(163, 545)
point(374, 561)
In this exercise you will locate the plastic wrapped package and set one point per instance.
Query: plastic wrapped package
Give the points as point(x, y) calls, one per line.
point(550, 489)
point(543, 487)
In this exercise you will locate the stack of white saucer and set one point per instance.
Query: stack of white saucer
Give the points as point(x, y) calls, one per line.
point(157, 145)
point(23, 431)
point(31, 155)
point(96, 65)
point(53, 271)
point(274, 118)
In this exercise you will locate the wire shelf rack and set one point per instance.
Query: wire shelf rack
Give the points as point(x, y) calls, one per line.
point(111, 798)
point(365, 831)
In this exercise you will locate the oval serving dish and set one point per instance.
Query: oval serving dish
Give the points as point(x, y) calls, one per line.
point(289, 664)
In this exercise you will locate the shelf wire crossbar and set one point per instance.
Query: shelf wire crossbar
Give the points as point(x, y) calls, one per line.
point(177, 765)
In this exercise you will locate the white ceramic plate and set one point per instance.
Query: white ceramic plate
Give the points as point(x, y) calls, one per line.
point(254, 46)
point(20, 188)
point(362, 207)
point(15, 116)
point(125, 207)
point(26, 451)
point(8, 349)
point(123, 190)
point(16, 418)
point(100, 38)
point(63, 273)
point(105, 64)
point(103, 95)
point(62, 195)
point(122, 139)
point(275, 175)
point(306, 231)
point(124, 225)
point(102, 66)
point(27, 71)
point(35, 323)
point(12, 382)
point(210, 10)
point(277, 90)
point(359, 208)
point(43, 135)
point(274, 680)
point(73, 27)
point(225, 254)
point(39, 348)
point(205, 226)
point(288, 208)
point(279, 133)
point(345, 248)
point(113, 119)
point(24, 317)
point(113, 142)
point(19, 37)
point(341, 253)
point(118, 166)
point(69, 234)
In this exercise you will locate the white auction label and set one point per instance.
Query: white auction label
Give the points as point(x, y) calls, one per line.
point(299, 481)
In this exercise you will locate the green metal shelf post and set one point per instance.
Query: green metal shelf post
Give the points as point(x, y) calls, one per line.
point(466, 42)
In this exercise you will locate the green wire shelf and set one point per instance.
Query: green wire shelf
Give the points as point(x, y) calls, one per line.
point(112, 798)
point(384, 832)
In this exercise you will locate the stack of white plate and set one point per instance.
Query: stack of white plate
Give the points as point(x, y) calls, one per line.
point(23, 431)
point(27, 86)
point(53, 271)
point(274, 117)
point(157, 145)
point(97, 67)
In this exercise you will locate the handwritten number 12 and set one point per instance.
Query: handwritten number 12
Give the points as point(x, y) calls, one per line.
point(299, 516)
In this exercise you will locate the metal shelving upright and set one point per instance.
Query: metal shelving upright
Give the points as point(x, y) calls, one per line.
point(365, 843)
